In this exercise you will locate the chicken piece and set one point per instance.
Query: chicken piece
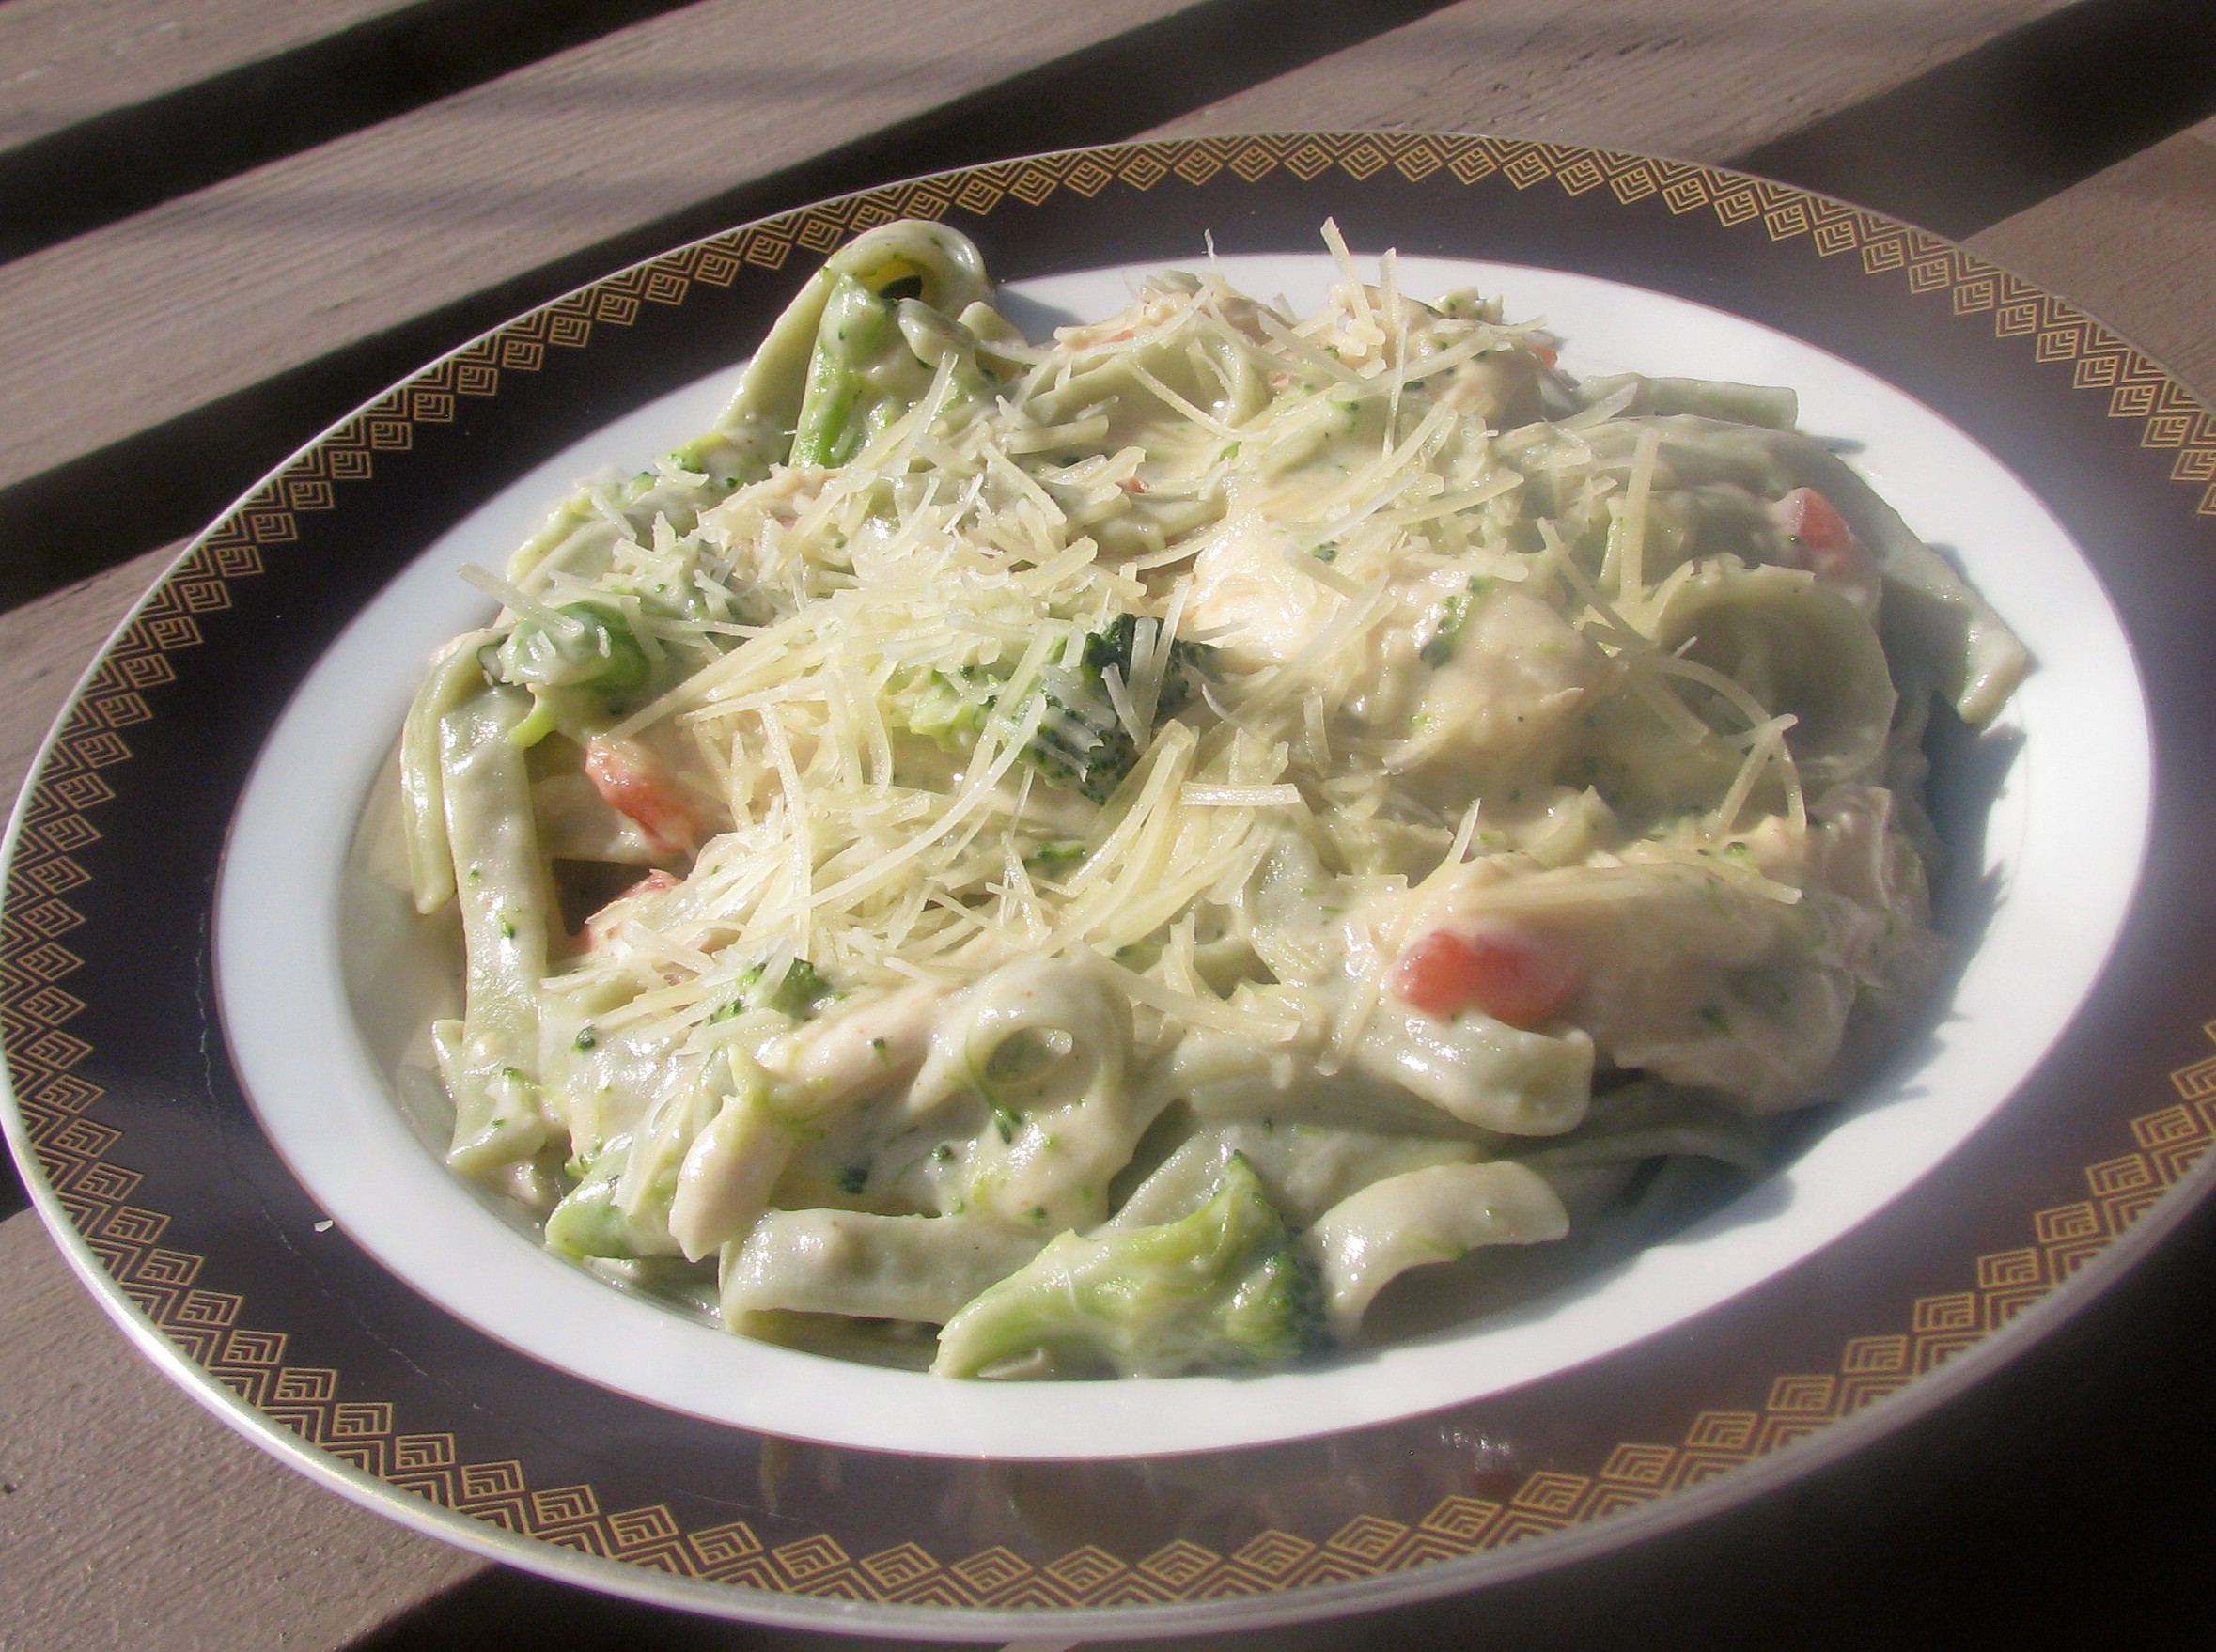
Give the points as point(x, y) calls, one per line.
point(1506, 679)
point(856, 1049)
point(1500, 388)
point(1257, 604)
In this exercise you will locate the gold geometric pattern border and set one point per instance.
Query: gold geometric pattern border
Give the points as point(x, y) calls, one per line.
point(73, 1148)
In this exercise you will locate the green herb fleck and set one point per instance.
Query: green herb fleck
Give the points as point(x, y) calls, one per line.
point(1453, 615)
point(852, 1179)
point(587, 1036)
point(1056, 854)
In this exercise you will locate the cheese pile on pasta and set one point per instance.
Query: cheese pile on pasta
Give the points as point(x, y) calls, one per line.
point(1113, 850)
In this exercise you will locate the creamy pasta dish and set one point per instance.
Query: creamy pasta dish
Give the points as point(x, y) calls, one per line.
point(1098, 857)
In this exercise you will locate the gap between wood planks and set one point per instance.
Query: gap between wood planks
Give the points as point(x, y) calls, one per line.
point(191, 347)
point(122, 154)
point(74, 60)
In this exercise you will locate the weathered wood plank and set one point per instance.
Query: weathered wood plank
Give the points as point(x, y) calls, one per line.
point(66, 61)
point(131, 324)
point(128, 1517)
point(1701, 83)
point(132, 151)
point(2136, 245)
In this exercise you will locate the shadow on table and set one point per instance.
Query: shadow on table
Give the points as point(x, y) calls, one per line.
point(12, 1197)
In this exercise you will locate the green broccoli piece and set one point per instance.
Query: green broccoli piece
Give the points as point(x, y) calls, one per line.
point(600, 653)
point(1081, 743)
point(949, 711)
point(835, 407)
point(1189, 663)
point(589, 1222)
point(1225, 1289)
point(876, 348)
point(1055, 855)
point(802, 993)
point(579, 676)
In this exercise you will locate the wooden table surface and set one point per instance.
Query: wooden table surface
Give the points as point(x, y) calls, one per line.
point(223, 223)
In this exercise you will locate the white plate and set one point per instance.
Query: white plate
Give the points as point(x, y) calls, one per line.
point(2062, 848)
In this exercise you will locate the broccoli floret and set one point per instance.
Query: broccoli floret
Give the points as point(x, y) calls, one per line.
point(579, 676)
point(1225, 1289)
point(1080, 744)
point(835, 414)
point(1112, 645)
point(588, 1220)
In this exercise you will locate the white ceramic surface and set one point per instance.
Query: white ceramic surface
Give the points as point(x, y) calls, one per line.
point(2061, 844)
